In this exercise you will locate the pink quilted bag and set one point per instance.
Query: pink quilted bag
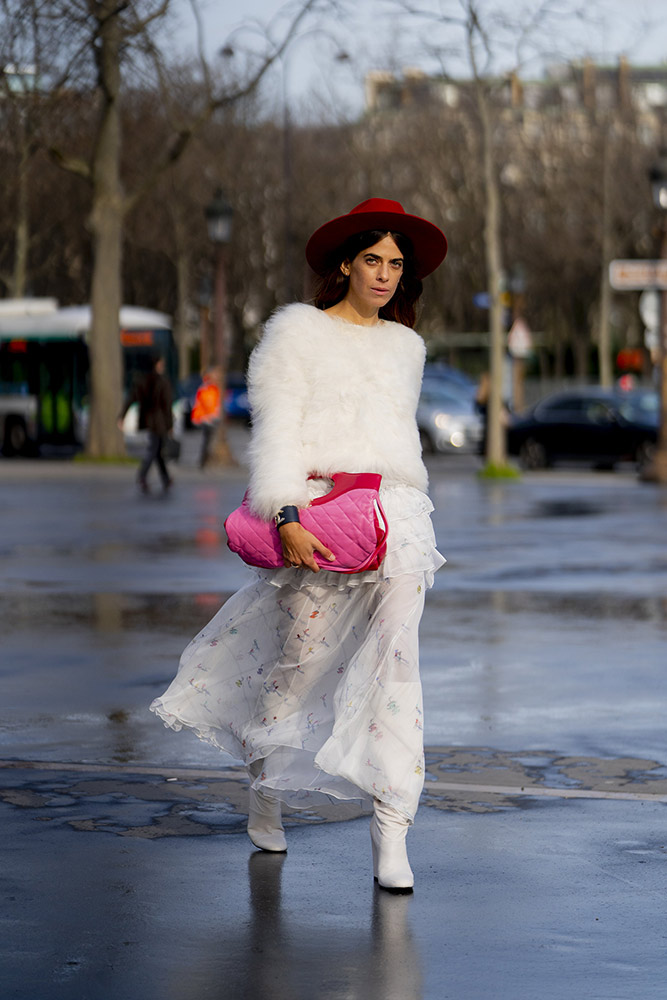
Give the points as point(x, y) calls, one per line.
point(349, 520)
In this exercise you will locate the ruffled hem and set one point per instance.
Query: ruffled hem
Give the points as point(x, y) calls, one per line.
point(411, 545)
point(297, 794)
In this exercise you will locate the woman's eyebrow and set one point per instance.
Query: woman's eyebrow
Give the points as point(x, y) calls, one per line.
point(378, 256)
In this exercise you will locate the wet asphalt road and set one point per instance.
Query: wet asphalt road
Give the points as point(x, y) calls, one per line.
point(541, 846)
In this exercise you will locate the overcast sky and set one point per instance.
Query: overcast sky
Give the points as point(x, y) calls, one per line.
point(372, 37)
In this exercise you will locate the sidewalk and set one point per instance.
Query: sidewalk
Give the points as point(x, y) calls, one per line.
point(539, 850)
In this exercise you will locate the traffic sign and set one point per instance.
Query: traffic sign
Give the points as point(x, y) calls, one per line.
point(651, 340)
point(629, 275)
point(649, 308)
point(520, 339)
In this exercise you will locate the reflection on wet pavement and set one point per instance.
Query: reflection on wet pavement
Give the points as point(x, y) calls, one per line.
point(115, 610)
point(379, 963)
point(567, 507)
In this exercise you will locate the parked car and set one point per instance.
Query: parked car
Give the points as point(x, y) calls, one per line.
point(447, 419)
point(455, 381)
point(598, 426)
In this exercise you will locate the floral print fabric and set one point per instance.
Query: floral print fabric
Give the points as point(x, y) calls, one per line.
point(317, 678)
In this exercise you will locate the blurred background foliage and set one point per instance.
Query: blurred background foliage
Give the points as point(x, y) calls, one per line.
point(572, 151)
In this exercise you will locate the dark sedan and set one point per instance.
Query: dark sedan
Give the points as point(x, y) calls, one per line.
point(598, 426)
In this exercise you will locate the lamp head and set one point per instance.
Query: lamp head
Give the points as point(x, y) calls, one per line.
point(658, 178)
point(219, 214)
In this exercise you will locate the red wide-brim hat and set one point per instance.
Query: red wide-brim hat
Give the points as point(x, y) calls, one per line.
point(429, 242)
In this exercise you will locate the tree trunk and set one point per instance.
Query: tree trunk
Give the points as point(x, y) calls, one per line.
point(106, 221)
point(604, 338)
point(580, 349)
point(496, 451)
point(221, 453)
point(181, 323)
point(22, 236)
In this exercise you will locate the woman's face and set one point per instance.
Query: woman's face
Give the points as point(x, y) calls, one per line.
point(374, 275)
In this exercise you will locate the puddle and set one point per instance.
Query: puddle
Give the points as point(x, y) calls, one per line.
point(566, 507)
point(586, 606)
point(109, 612)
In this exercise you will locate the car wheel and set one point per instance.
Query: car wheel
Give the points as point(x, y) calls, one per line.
point(644, 455)
point(16, 437)
point(426, 442)
point(533, 455)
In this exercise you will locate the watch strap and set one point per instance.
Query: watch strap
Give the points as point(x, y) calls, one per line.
point(286, 515)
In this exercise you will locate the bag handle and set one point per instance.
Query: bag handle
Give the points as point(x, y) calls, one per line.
point(344, 482)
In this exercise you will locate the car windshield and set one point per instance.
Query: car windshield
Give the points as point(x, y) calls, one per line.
point(640, 406)
point(438, 389)
point(436, 370)
point(445, 400)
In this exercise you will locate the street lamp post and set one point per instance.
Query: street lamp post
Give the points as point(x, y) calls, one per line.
point(219, 215)
point(657, 472)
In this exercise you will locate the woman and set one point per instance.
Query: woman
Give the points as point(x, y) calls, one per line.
point(312, 677)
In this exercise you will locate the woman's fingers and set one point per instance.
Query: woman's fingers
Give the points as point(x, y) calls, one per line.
point(315, 545)
point(299, 547)
point(323, 550)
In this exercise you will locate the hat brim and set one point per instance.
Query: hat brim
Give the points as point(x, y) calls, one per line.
point(429, 242)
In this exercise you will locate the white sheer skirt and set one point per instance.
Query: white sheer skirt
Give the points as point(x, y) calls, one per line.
point(317, 675)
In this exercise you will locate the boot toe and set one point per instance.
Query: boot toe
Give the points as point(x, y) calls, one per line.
point(269, 840)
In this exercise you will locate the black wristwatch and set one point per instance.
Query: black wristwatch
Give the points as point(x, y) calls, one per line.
point(286, 515)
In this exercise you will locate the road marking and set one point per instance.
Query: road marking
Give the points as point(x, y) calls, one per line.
point(164, 772)
point(533, 790)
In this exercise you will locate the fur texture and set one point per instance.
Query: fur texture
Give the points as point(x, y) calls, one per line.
point(327, 396)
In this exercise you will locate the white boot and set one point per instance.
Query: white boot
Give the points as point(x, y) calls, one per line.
point(391, 867)
point(265, 827)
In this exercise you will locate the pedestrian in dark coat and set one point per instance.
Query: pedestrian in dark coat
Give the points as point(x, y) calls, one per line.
point(153, 394)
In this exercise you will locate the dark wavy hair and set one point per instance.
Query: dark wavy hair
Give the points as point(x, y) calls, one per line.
point(333, 284)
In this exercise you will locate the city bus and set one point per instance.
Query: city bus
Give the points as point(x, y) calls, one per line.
point(44, 368)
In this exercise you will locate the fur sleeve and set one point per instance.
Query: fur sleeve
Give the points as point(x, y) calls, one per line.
point(277, 393)
point(415, 368)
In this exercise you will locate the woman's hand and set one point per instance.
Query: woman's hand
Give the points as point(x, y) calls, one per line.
point(299, 547)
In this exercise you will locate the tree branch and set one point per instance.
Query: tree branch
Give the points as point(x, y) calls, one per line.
point(72, 164)
point(141, 25)
point(215, 103)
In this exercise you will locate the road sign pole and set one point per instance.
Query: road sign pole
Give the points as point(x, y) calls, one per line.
point(656, 470)
point(627, 275)
point(661, 450)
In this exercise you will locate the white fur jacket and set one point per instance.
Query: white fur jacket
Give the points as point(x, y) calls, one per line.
point(328, 396)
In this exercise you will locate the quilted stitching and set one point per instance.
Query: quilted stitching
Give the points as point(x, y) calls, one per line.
point(348, 525)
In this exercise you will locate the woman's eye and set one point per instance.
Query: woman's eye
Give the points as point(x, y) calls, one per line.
point(397, 264)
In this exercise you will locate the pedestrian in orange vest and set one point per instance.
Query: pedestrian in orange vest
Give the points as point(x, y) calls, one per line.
point(207, 410)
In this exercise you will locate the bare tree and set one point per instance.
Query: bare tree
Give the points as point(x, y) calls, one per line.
point(113, 32)
point(484, 27)
point(475, 33)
